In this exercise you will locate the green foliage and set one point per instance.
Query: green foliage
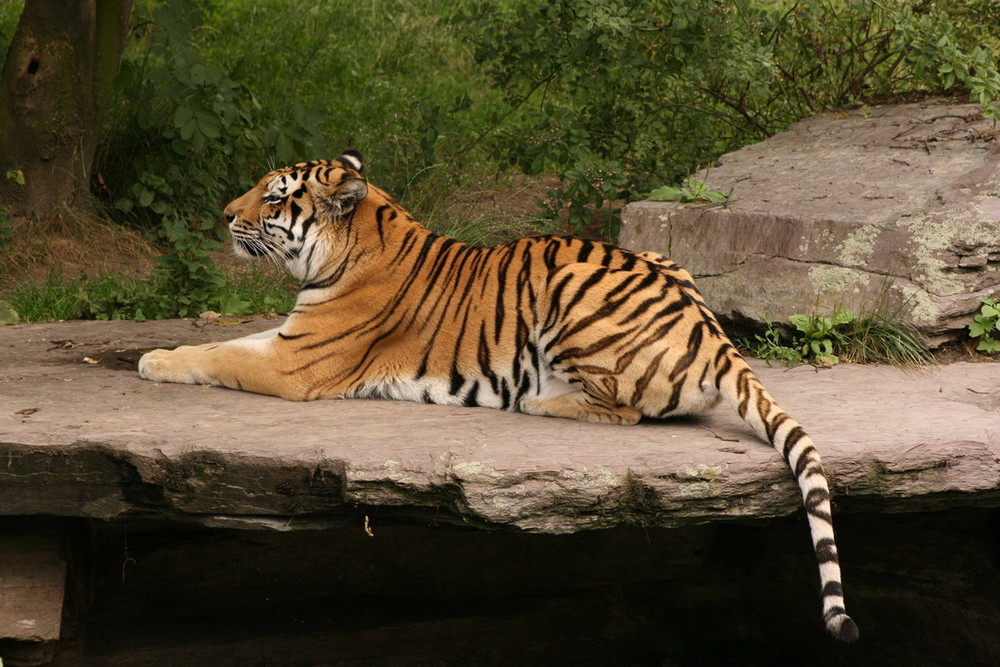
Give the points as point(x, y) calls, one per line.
point(126, 297)
point(645, 89)
point(818, 341)
point(876, 335)
point(985, 325)
point(771, 345)
point(941, 59)
point(105, 298)
point(821, 335)
point(391, 78)
point(187, 281)
point(185, 136)
point(184, 133)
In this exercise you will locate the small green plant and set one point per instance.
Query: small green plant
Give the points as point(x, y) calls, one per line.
point(691, 190)
point(771, 346)
point(985, 325)
point(821, 336)
point(818, 341)
point(187, 281)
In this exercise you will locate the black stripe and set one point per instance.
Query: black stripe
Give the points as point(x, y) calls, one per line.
point(693, 350)
point(722, 365)
point(675, 397)
point(593, 348)
point(471, 398)
point(833, 588)
point(772, 426)
point(651, 371)
point(641, 309)
point(623, 286)
point(380, 219)
point(813, 500)
point(582, 290)
point(826, 551)
point(794, 437)
point(457, 380)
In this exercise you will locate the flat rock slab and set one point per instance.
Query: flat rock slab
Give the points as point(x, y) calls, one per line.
point(82, 435)
point(32, 581)
point(897, 203)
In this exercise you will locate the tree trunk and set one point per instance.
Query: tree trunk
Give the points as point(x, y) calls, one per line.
point(55, 84)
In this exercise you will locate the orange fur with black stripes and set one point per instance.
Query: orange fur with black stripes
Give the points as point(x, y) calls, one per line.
point(547, 326)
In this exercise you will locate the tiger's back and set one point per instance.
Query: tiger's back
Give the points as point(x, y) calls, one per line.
point(547, 326)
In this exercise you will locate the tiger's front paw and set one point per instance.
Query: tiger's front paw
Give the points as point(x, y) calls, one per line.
point(167, 366)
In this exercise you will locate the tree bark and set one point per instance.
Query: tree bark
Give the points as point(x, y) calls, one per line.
point(55, 85)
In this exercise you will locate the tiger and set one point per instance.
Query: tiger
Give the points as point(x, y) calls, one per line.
point(545, 325)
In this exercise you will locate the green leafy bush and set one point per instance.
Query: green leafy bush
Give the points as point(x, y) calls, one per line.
point(184, 133)
point(391, 78)
point(617, 98)
point(184, 136)
point(772, 346)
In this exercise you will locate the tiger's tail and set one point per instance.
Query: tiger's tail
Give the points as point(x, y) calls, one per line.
point(740, 385)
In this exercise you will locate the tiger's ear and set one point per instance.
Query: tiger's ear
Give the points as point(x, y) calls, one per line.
point(352, 158)
point(336, 201)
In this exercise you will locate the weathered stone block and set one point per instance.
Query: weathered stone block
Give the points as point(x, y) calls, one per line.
point(843, 207)
point(32, 582)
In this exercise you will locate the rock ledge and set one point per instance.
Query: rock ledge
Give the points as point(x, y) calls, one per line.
point(92, 440)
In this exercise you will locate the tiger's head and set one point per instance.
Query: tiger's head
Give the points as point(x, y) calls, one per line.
point(297, 214)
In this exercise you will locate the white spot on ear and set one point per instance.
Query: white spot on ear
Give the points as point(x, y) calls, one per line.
point(351, 161)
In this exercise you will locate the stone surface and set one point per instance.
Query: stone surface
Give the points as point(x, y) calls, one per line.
point(33, 573)
point(82, 436)
point(841, 208)
point(32, 580)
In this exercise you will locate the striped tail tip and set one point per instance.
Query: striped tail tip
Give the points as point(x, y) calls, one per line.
point(842, 627)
